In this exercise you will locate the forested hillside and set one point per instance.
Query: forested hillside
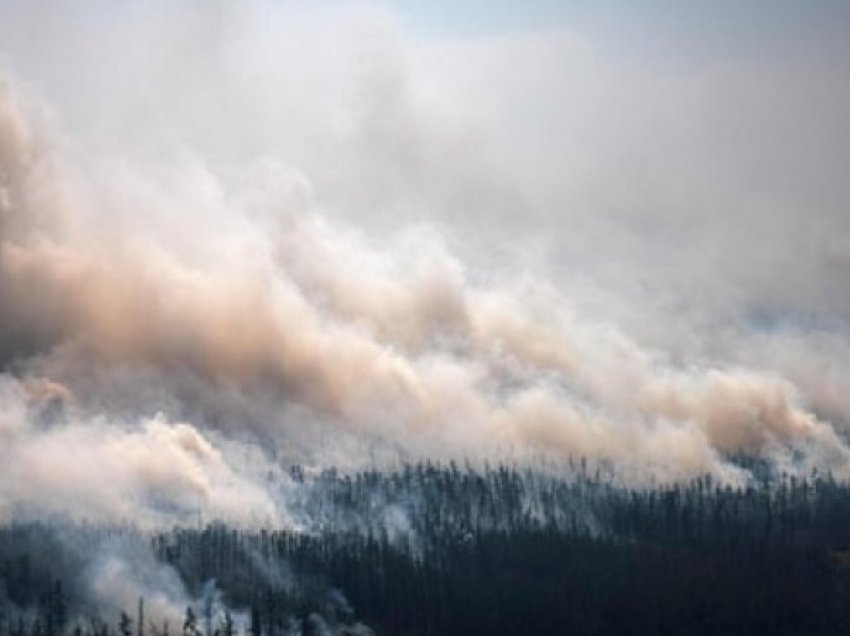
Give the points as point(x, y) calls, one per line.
point(440, 549)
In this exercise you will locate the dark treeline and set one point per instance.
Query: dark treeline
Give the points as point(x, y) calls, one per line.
point(430, 549)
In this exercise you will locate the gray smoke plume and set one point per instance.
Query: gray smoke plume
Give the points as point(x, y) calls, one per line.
point(186, 311)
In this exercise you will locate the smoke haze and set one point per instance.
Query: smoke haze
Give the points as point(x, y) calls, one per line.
point(236, 238)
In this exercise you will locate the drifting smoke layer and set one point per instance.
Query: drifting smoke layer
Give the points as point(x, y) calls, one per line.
point(157, 323)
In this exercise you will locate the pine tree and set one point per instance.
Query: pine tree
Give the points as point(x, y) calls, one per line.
point(226, 628)
point(140, 623)
point(125, 625)
point(256, 629)
point(190, 623)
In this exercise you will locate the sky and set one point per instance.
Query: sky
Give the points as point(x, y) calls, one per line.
point(347, 233)
point(469, 17)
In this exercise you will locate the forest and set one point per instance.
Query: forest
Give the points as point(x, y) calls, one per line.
point(443, 549)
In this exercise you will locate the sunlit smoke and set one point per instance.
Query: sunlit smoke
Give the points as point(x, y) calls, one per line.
point(183, 316)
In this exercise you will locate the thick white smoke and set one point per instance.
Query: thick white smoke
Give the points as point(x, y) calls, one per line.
point(181, 313)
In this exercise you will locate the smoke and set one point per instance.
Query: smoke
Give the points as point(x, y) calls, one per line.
point(183, 312)
point(123, 570)
point(156, 474)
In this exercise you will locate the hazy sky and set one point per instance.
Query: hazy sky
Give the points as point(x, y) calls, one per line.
point(725, 19)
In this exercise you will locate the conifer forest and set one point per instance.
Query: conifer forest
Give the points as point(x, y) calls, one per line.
point(442, 549)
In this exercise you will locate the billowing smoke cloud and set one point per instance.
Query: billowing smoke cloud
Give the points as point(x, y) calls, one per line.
point(152, 474)
point(177, 325)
